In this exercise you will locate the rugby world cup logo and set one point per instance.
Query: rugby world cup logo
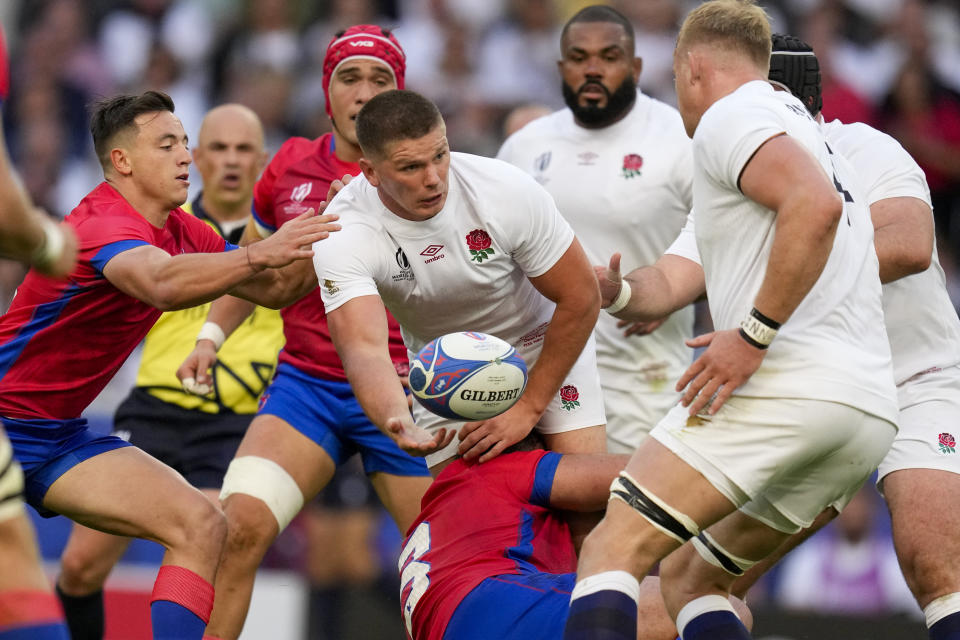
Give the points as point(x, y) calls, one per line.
point(300, 192)
point(478, 241)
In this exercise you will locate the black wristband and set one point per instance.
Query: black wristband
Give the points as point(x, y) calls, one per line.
point(773, 324)
point(751, 341)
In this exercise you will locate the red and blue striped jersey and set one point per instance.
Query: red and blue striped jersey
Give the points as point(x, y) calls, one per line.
point(479, 521)
point(297, 179)
point(63, 339)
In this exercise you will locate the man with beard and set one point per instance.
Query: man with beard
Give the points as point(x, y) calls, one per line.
point(618, 165)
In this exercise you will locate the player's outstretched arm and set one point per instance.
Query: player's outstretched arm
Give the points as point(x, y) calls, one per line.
point(26, 233)
point(785, 178)
point(582, 480)
point(225, 315)
point(167, 282)
point(570, 283)
point(359, 331)
point(656, 291)
point(903, 236)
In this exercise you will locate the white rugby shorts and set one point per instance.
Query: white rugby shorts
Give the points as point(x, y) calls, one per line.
point(780, 461)
point(578, 404)
point(632, 414)
point(929, 424)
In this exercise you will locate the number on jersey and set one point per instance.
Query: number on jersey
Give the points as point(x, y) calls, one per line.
point(414, 572)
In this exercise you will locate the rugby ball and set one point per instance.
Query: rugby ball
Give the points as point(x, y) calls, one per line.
point(467, 376)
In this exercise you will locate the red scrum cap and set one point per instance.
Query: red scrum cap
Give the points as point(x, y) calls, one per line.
point(363, 41)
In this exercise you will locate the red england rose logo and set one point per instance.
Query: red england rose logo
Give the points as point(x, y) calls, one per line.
point(478, 241)
point(569, 397)
point(947, 443)
point(632, 163)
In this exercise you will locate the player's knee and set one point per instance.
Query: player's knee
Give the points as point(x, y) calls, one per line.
point(199, 526)
point(251, 527)
point(260, 486)
point(80, 575)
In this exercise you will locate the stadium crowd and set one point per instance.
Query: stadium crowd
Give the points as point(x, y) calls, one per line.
point(893, 64)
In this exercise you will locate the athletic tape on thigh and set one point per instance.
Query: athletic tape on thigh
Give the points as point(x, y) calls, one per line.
point(671, 522)
point(716, 555)
point(11, 482)
point(267, 481)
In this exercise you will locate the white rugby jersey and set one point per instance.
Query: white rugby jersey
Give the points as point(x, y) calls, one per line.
point(623, 188)
point(921, 321)
point(834, 346)
point(464, 269)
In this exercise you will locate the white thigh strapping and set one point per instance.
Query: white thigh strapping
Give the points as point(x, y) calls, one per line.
point(266, 481)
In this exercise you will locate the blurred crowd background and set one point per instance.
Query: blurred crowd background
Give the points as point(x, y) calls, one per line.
point(894, 64)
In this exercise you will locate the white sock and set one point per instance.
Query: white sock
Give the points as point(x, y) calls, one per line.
point(621, 581)
point(940, 608)
point(700, 606)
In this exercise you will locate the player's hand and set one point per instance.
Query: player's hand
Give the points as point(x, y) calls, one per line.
point(640, 328)
point(194, 373)
point(336, 185)
point(415, 440)
point(293, 240)
point(487, 439)
point(609, 280)
point(67, 260)
point(726, 364)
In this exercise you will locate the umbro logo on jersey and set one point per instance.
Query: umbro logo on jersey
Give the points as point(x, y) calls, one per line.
point(300, 192)
point(587, 158)
point(432, 253)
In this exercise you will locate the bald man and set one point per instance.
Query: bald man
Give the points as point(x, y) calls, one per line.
point(195, 435)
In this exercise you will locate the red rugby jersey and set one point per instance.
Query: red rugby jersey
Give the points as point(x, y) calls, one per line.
point(297, 179)
point(478, 521)
point(62, 340)
point(4, 70)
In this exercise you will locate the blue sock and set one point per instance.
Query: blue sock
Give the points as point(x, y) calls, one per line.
point(50, 631)
point(946, 628)
point(603, 607)
point(172, 621)
point(715, 625)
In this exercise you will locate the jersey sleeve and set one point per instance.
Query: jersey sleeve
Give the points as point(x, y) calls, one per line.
point(543, 479)
point(124, 233)
point(728, 136)
point(685, 244)
point(539, 233)
point(262, 207)
point(344, 271)
point(886, 169)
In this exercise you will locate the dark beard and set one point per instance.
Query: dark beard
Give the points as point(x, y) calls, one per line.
point(594, 117)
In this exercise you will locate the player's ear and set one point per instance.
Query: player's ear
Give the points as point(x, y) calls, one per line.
point(120, 159)
point(695, 64)
point(637, 68)
point(369, 172)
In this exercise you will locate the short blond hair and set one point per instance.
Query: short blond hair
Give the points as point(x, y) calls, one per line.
point(739, 26)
